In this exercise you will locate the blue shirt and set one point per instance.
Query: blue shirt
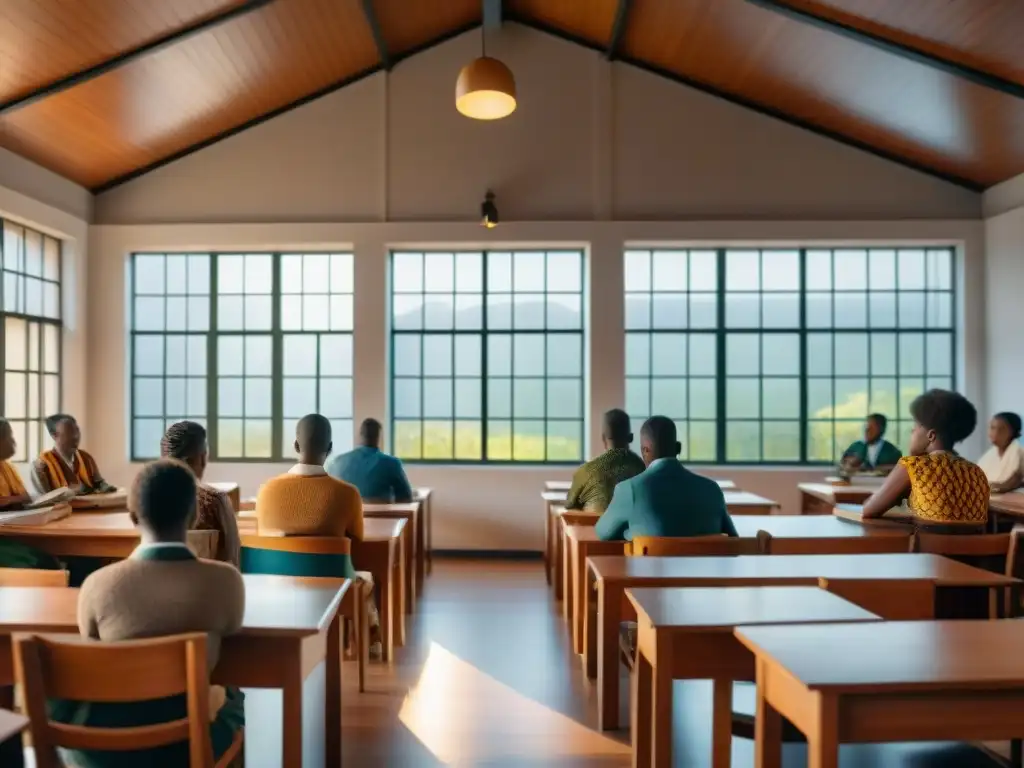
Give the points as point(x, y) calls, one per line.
point(376, 475)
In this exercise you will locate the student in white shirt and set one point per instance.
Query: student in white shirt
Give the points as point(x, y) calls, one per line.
point(1003, 463)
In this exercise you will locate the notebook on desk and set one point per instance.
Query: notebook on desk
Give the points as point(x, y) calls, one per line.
point(36, 516)
point(855, 513)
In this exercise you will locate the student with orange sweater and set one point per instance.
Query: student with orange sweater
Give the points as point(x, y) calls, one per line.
point(306, 501)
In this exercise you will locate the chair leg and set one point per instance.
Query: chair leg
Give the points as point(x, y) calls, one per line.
point(362, 628)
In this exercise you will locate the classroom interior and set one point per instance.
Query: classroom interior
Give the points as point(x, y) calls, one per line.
point(764, 219)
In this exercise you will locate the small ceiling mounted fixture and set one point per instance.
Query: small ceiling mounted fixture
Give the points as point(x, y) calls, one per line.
point(489, 211)
point(486, 88)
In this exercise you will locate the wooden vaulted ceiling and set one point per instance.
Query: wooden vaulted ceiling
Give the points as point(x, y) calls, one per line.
point(101, 91)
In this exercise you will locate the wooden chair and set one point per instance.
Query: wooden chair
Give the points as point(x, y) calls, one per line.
point(693, 546)
point(329, 556)
point(854, 545)
point(997, 552)
point(133, 671)
point(32, 577)
point(580, 517)
point(892, 599)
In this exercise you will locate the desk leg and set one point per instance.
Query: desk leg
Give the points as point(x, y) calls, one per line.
point(292, 705)
point(609, 605)
point(428, 533)
point(556, 542)
point(566, 575)
point(409, 563)
point(589, 606)
point(823, 741)
point(767, 727)
point(398, 605)
point(640, 710)
point(579, 596)
point(661, 704)
point(421, 554)
point(384, 578)
point(332, 706)
point(547, 544)
point(721, 724)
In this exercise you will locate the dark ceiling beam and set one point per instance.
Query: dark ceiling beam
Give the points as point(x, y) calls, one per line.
point(976, 76)
point(618, 29)
point(754, 106)
point(378, 35)
point(335, 86)
point(90, 73)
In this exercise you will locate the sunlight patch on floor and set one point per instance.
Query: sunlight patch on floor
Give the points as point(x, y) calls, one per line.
point(462, 714)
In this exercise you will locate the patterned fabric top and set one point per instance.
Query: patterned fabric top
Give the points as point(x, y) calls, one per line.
point(10, 481)
point(594, 482)
point(50, 471)
point(946, 488)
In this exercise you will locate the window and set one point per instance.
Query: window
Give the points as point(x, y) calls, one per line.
point(776, 356)
point(245, 344)
point(32, 334)
point(487, 356)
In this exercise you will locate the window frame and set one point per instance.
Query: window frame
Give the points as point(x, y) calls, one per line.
point(483, 333)
point(212, 335)
point(42, 321)
point(722, 331)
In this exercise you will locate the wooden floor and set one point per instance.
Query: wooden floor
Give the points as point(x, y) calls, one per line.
point(488, 679)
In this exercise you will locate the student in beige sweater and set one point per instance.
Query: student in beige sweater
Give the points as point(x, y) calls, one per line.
point(162, 589)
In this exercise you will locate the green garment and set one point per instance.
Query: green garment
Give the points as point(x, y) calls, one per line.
point(14, 554)
point(594, 482)
point(888, 456)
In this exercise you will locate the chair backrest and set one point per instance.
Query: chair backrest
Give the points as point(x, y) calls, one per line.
point(892, 599)
point(70, 668)
point(992, 551)
point(692, 546)
point(580, 517)
point(853, 545)
point(32, 577)
point(297, 555)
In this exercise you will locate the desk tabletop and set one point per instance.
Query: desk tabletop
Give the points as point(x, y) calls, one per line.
point(422, 494)
point(832, 493)
point(274, 605)
point(745, 499)
point(557, 497)
point(11, 724)
point(563, 486)
point(785, 527)
point(717, 608)
point(941, 570)
point(904, 655)
point(1008, 503)
point(82, 524)
point(382, 528)
point(896, 518)
point(400, 508)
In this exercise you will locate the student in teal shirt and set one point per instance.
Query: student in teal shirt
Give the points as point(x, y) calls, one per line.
point(666, 499)
point(378, 476)
point(874, 452)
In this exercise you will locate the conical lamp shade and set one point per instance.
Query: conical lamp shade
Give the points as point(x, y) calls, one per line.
point(486, 90)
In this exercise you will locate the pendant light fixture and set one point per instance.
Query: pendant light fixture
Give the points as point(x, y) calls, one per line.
point(486, 88)
point(488, 211)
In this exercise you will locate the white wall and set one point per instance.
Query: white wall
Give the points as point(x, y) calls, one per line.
point(1004, 309)
point(34, 196)
point(597, 155)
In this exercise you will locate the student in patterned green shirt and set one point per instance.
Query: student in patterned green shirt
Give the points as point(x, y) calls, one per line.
point(594, 482)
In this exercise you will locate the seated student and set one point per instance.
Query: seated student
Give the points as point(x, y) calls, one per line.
point(186, 442)
point(1003, 463)
point(14, 554)
point(65, 466)
point(378, 476)
point(945, 492)
point(306, 501)
point(666, 499)
point(594, 482)
point(162, 589)
point(874, 452)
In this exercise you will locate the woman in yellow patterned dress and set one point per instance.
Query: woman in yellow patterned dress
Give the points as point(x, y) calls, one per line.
point(946, 492)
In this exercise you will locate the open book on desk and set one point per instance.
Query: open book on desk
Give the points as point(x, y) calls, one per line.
point(855, 513)
point(37, 515)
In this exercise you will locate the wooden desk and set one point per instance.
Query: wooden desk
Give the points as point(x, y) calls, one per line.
point(232, 491)
point(412, 544)
point(426, 498)
point(1006, 505)
point(743, 503)
point(820, 498)
point(381, 553)
point(940, 681)
point(609, 576)
point(552, 565)
point(96, 534)
point(558, 485)
point(688, 634)
point(290, 626)
point(898, 518)
point(581, 542)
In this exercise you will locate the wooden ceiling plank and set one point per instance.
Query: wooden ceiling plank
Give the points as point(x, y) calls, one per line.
point(378, 35)
point(90, 73)
point(976, 76)
point(319, 93)
point(618, 28)
point(755, 106)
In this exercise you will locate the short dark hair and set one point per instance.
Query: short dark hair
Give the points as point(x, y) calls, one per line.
point(313, 433)
point(660, 431)
point(950, 414)
point(52, 422)
point(880, 420)
point(183, 440)
point(617, 426)
point(163, 496)
point(1012, 421)
point(369, 431)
